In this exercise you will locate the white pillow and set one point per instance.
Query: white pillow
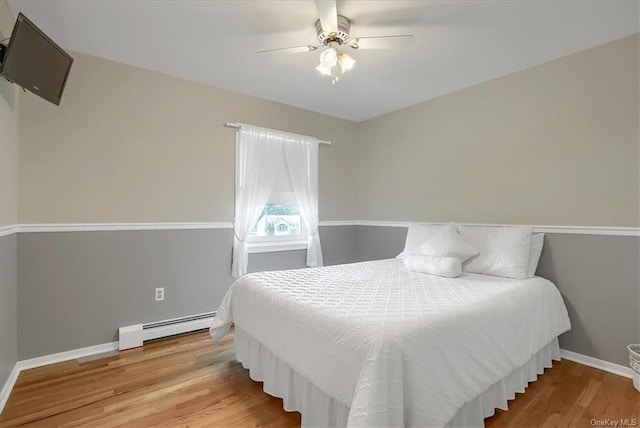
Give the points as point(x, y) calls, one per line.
point(449, 243)
point(537, 242)
point(417, 235)
point(449, 267)
point(504, 251)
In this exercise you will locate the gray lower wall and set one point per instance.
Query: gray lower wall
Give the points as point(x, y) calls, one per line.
point(376, 242)
point(339, 245)
point(599, 278)
point(77, 288)
point(8, 306)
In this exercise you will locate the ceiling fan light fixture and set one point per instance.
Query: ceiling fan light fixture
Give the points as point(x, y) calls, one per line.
point(334, 38)
point(324, 69)
point(346, 62)
point(329, 57)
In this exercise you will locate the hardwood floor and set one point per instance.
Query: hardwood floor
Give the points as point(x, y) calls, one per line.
point(189, 381)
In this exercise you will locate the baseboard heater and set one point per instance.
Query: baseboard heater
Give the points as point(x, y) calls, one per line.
point(132, 336)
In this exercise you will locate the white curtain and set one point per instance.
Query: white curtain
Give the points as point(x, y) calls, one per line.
point(257, 154)
point(301, 154)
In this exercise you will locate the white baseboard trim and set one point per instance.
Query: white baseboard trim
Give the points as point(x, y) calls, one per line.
point(8, 385)
point(596, 363)
point(68, 355)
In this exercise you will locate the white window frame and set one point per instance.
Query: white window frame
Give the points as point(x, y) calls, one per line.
point(267, 244)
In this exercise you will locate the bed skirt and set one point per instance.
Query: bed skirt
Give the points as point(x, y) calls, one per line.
point(320, 410)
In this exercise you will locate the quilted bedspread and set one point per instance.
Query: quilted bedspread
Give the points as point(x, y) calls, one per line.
point(399, 348)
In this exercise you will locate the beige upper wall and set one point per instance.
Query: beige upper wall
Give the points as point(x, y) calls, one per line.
point(130, 145)
point(8, 135)
point(556, 144)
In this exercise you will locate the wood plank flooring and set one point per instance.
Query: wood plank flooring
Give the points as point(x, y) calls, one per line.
point(190, 381)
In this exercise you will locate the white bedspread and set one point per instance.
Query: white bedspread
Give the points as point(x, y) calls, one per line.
point(399, 348)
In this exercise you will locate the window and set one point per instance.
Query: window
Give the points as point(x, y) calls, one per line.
point(278, 220)
point(283, 228)
point(280, 226)
point(276, 198)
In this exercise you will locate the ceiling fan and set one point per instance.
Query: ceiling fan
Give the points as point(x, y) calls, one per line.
point(334, 38)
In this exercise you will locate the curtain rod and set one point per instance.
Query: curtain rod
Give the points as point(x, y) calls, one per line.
point(239, 125)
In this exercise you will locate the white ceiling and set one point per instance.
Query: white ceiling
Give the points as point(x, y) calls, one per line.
point(457, 43)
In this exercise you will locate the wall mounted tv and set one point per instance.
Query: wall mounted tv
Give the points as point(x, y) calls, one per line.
point(33, 61)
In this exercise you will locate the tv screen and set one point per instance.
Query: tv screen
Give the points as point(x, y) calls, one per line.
point(33, 61)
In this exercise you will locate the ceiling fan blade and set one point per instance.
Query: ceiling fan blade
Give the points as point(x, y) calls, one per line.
point(291, 50)
point(382, 42)
point(328, 14)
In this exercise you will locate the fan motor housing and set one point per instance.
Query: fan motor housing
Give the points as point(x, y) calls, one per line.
point(340, 37)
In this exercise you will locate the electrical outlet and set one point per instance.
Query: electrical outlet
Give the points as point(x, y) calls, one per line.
point(159, 294)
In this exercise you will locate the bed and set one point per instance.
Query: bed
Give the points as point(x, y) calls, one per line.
point(374, 344)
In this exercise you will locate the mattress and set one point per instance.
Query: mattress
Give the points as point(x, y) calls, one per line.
point(394, 346)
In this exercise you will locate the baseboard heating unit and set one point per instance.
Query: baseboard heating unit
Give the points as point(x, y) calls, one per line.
point(132, 336)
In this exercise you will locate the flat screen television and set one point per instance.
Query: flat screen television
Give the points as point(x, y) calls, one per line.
point(33, 61)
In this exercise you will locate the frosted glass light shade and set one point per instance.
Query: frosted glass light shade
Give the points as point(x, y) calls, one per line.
point(346, 62)
point(329, 57)
point(326, 70)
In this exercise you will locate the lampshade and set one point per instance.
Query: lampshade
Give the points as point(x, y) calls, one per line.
point(329, 57)
point(324, 69)
point(346, 62)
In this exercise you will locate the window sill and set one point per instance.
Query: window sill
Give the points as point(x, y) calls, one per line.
point(268, 247)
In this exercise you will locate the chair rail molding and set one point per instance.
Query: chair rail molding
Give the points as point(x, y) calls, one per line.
point(100, 227)
point(9, 229)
